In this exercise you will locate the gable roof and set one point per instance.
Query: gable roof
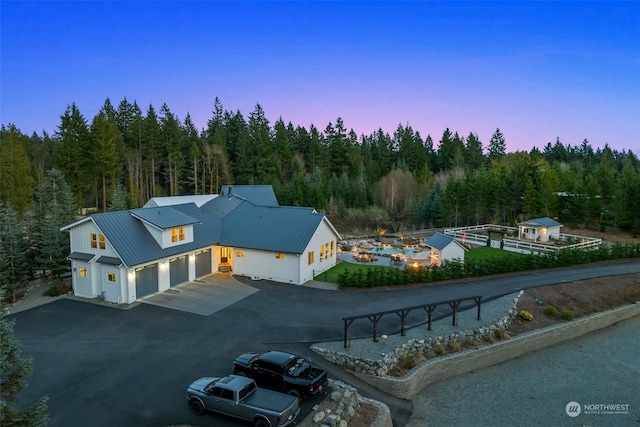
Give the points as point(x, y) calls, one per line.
point(135, 245)
point(440, 241)
point(228, 221)
point(281, 229)
point(541, 222)
point(163, 217)
point(198, 199)
point(222, 206)
point(259, 195)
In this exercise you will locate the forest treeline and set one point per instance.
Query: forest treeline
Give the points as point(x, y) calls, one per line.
point(123, 156)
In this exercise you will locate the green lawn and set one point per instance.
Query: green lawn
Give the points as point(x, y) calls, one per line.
point(332, 274)
point(486, 253)
point(474, 255)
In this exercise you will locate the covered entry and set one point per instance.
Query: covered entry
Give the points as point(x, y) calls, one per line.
point(146, 280)
point(178, 270)
point(203, 263)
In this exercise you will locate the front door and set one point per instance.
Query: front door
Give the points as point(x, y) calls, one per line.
point(225, 254)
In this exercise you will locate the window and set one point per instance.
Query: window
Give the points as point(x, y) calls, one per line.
point(98, 240)
point(111, 277)
point(177, 234)
point(240, 254)
point(333, 248)
point(279, 256)
point(310, 257)
point(321, 253)
point(82, 272)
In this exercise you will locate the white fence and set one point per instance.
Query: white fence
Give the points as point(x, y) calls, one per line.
point(469, 235)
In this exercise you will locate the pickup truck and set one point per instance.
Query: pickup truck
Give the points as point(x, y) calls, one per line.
point(241, 398)
point(280, 371)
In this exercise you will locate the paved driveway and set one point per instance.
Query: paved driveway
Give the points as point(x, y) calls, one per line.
point(204, 296)
point(102, 366)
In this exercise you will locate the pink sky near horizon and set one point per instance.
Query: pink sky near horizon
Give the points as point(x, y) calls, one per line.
point(538, 71)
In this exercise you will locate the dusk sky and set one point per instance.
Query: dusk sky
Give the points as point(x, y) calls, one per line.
point(536, 70)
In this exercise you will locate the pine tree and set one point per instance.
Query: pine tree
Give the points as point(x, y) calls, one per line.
point(497, 146)
point(73, 153)
point(16, 181)
point(14, 253)
point(54, 207)
point(119, 200)
point(13, 372)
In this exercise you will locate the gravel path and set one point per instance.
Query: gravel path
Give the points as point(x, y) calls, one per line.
point(601, 368)
point(33, 298)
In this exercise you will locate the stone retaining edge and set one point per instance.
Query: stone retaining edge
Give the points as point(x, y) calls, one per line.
point(428, 372)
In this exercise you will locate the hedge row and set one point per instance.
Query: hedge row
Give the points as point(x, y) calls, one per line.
point(389, 276)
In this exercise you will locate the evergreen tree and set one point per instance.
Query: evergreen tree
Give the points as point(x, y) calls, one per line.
point(497, 146)
point(13, 373)
point(105, 152)
point(54, 208)
point(474, 155)
point(16, 181)
point(14, 252)
point(73, 153)
point(119, 199)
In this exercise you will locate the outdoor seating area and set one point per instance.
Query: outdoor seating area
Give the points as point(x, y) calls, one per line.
point(364, 257)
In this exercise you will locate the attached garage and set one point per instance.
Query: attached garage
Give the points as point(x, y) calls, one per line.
point(178, 270)
point(146, 280)
point(203, 263)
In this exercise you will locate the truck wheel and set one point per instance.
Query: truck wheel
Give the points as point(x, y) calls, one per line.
point(196, 407)
point(260, 423)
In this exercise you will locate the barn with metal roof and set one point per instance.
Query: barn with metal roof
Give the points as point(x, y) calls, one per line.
point(126, 255)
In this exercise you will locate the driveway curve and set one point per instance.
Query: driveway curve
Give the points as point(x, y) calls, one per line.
point(101, 366)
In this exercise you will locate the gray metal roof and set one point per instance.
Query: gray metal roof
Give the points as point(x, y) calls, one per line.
point(220, 207)
point(259, 195)
point(163, 217)
point(278, 229)
point(110, 260)
point(228, 221)
point(81, 256)
point(439, 241)
point(135, 245)
point(198, 199)
point(541, 222)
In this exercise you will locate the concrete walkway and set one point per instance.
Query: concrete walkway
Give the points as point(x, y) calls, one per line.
point(204, 296)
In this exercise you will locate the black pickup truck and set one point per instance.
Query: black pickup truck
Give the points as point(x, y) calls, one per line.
point(280, 371)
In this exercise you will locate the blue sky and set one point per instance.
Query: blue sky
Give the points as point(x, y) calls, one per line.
point(536, 70)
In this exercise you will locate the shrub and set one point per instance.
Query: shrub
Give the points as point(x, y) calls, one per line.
point(567, 314)
point(53, 291)
point(489, 338)
point(550, 311)
point(470, 342)
point(454, 345)
point(525, 315)
point(440, 350)
point(502, 334)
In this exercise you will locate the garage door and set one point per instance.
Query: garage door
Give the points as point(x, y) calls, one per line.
point(178, 270)
point(203, 263)
point(146, 280)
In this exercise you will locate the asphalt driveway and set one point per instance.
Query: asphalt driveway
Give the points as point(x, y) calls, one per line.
point(102, 366)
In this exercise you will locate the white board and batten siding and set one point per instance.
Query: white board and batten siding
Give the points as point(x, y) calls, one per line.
point(95, 282)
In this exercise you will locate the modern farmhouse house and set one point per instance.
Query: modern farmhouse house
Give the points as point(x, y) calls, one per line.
point(539, 229)
point(124, 256)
